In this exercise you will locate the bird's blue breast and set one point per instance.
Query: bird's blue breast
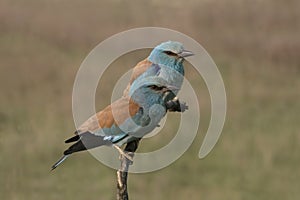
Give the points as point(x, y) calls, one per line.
point(161, 75)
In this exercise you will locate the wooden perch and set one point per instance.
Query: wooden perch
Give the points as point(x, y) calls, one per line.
point(122, 173)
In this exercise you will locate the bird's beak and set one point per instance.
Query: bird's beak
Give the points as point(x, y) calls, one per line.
point(185, 53)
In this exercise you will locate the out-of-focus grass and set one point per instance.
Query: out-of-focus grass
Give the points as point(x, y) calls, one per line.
point(256, 46)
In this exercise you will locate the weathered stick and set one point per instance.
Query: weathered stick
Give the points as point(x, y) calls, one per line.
point(122, 173)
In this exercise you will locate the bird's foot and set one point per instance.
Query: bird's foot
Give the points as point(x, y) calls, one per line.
point(175, 105)
point(124, 154)
point(183, 106)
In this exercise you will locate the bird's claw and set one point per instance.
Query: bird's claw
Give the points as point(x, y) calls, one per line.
point(175, 105)
point(183, 106)
point(123, 154)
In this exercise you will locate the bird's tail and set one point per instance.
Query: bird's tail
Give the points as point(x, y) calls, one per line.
point(83, 142)
point(61, 160)
point(78, 146)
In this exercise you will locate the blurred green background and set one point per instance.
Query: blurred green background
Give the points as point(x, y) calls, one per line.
point(256, 46)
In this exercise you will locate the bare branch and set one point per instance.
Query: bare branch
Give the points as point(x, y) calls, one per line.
point(122, 173)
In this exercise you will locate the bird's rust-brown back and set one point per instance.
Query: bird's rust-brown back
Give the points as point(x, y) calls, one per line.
point(116, 113)
point(138, 70)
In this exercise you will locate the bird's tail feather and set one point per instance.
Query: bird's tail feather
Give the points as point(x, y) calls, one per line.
point(85, 141)
point(78, 146)
point(62, 159)
point(73, 139)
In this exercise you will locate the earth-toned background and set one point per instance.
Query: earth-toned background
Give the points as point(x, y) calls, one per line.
point(256, 46)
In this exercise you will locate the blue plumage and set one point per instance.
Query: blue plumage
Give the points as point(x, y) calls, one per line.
point(151, 101)
point(155, 82)
point(167, 67)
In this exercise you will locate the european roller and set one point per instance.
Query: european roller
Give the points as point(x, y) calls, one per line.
point(151, 91)
point(164, 65)
point(124, 120)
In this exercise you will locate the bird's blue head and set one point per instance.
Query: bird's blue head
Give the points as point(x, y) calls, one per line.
point(171, 54)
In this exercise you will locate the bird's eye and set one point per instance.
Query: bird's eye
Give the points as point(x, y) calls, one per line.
point(155, 87)
point(170, 53)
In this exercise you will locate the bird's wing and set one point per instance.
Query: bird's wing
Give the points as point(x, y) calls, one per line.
point(110, 118)
point(138, 70)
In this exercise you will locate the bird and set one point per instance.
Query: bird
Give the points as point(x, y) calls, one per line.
point(136, 115)
point(164, 65)
point(154, 77)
